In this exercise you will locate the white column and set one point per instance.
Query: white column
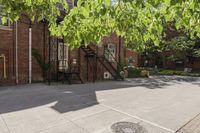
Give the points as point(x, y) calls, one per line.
point(16, 54)
point(30, 55)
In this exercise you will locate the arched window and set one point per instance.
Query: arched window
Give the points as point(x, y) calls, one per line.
point(110, 51)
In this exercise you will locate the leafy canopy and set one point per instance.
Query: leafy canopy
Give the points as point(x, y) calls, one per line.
point(137, 21)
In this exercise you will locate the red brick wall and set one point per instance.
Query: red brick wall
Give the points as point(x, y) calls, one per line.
point(134, 55)
point(37, 43)
point(100, 69)
point(40, 41)
point(196, 64)
point(23, 49)
point(119, 48)
point(7, 46)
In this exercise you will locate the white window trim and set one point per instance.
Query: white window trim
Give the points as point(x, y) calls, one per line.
point(63, 61)
point(114, 2)
point(72, 2)
point(3, 27)
point(111, 57)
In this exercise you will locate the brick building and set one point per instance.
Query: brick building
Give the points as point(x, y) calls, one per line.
point(14, 45)
point(162, 59)
point(92, 63)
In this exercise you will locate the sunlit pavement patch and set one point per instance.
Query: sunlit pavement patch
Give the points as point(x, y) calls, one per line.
point(128, 127)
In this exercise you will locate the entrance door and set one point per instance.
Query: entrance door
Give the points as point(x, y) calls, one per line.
point(63, 56)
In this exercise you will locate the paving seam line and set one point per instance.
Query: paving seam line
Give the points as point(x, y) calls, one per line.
point(136, 117)
point(89, 115)
point(187, 123)
point(79, 126)
point(39, 131)
point(5, 123)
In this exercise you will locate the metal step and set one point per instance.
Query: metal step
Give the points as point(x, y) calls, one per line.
point(104, 61)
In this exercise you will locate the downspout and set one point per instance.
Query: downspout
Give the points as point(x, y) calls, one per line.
point(13, 50)
point(119, 49)
point(44, 50)
point(44, 36)
point(16, 54)
point(30, 55)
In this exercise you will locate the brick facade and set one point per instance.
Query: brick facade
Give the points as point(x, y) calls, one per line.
point(166, 63)
point(134, 55)
point(40, 41)
point(8, 47)
point(95, 70)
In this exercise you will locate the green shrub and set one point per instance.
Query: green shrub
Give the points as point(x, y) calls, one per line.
point(136, 72)
point(144, 73)
point(45, 66)
point(155, 71)
point(133, 72)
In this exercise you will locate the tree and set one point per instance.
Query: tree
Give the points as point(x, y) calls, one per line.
point(181, 48)
point(137, 21)
point(35, 9)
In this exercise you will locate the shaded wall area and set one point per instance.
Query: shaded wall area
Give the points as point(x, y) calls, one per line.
point(8, 47)
point(91, 69)
point(132, 58)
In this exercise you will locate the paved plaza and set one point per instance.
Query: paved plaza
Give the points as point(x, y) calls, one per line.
point(160, 104)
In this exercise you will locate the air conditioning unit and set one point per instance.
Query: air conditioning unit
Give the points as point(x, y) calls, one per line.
point(107, 75)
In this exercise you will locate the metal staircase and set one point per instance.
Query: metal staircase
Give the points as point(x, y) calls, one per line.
point(90, 53)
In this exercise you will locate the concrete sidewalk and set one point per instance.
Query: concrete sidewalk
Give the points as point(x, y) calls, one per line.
point(159, 104)
point(192, 126)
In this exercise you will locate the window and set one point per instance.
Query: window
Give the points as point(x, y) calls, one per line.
point(131, 61)
point(7, 24)
point(63, 56)
point(114, 2)
point(71, 3)
point(53, 46)
point(110, 52)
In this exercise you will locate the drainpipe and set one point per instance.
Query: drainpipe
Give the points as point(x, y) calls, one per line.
point(16, 54)
point(30, 55)
point(120, 49)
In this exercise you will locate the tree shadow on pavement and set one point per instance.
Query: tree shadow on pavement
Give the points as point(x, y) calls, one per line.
point(73, 97)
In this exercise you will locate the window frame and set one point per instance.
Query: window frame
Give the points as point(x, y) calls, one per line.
point(114, 2)
point(113, 50)
point(4, 27)
point(72, 3)
point(63, 56)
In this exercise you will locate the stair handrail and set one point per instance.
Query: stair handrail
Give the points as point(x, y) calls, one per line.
point(106, 61)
